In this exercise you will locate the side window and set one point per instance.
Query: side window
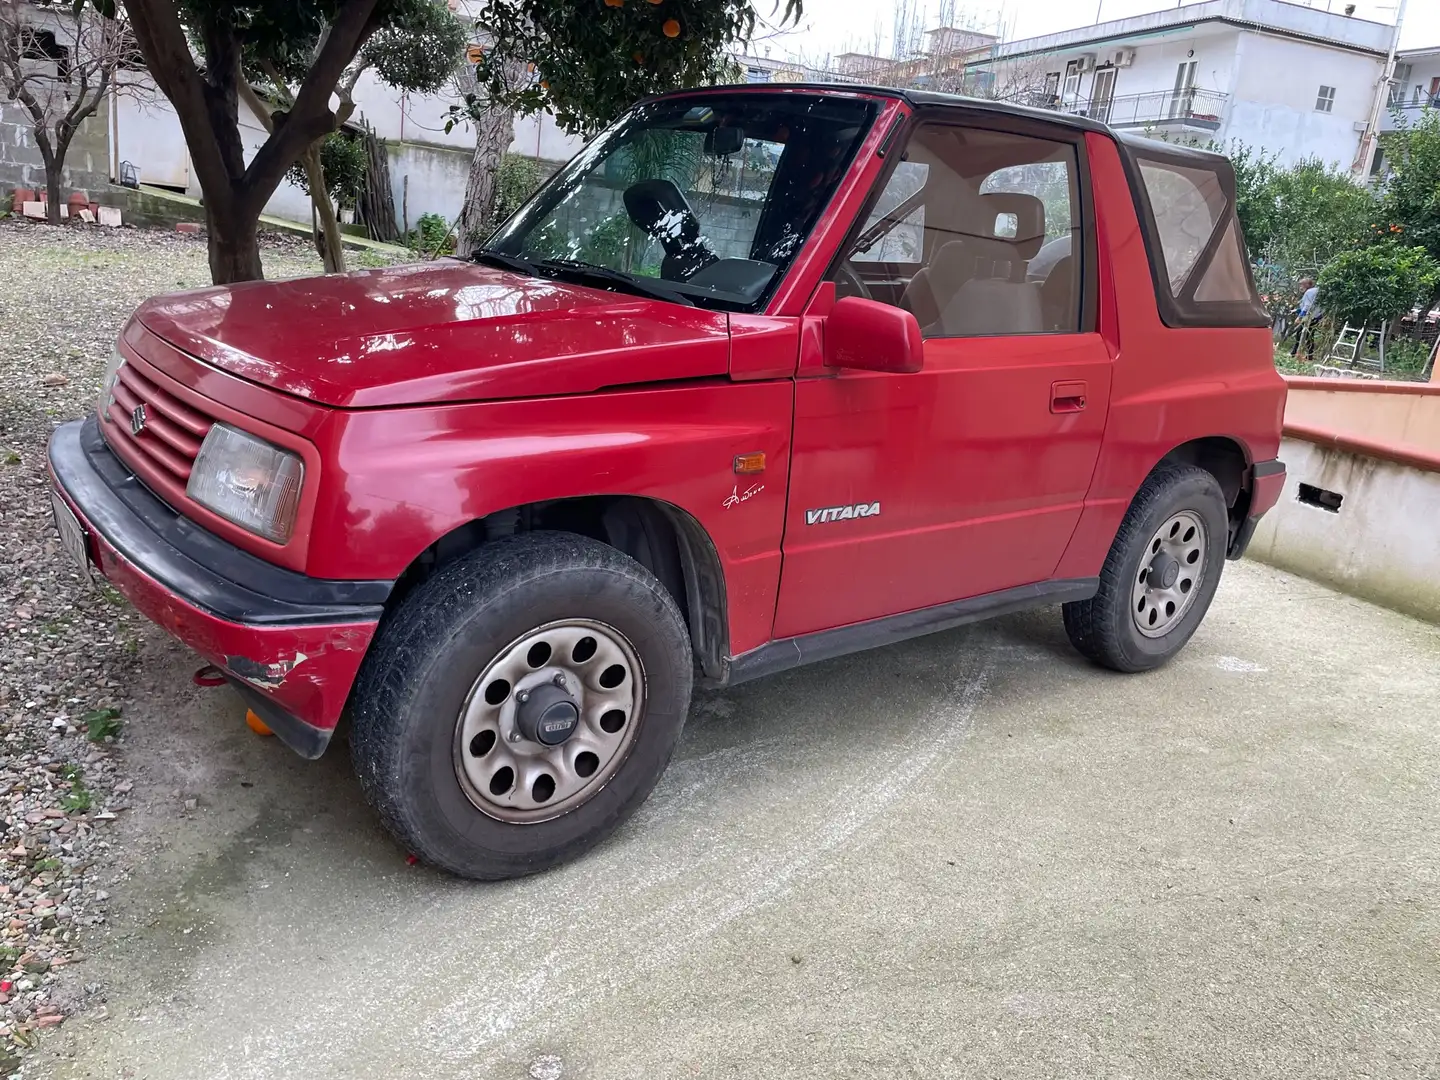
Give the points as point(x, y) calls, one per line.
point(981, 228)
point(1196, 248)
point(1187, 203)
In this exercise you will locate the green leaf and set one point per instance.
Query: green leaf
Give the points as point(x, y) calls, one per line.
point(101, 723)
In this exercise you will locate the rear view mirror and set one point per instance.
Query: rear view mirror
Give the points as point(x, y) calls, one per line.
point(872, 336)
point(724, 141)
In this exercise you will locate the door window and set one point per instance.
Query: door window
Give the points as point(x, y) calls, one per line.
point(895, 230)
point(984, 225)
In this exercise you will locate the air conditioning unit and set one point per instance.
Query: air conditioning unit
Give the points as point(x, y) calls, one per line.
point(1361, 126)
point(1086, 63)
point(1123, 57)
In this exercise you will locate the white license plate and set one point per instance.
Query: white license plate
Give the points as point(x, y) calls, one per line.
point(72, 534)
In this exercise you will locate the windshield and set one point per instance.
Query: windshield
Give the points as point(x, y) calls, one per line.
point(703, 199)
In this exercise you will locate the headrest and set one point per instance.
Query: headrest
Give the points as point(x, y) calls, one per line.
point(974, 257)
point(1028, 213)
point(659, 207)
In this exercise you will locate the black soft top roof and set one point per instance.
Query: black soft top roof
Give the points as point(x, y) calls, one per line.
point(929, 99)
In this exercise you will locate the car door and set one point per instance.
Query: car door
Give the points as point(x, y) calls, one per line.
point(968, 476)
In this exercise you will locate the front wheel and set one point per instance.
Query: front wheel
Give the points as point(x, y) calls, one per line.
point(521, 704)
point(1160, 575)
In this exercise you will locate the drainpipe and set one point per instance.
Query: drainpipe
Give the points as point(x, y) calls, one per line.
point(1365, 157)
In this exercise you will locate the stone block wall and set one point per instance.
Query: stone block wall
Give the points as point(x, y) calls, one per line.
point(87, 164)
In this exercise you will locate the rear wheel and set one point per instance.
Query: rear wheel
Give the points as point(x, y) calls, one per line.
point(521, 704)
point(1160, 575)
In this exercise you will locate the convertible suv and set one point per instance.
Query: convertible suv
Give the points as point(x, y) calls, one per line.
point(764, 376)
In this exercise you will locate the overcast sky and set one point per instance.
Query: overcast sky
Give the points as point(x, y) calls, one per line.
point(834, 26)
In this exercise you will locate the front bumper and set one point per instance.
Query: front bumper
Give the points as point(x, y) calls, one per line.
point(291, 644)
point(1267, 480)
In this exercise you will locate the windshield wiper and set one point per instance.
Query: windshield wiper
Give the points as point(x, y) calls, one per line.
point(584, 270)
point(504, 261)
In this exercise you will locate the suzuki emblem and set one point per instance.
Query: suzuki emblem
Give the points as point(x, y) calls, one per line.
point(137, 420)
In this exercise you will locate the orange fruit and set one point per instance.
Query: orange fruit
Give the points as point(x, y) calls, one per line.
point(657, 3)
point(671, 28)
point(255, 724)
point(614, 3)
point(639, 58)
point(544, 85)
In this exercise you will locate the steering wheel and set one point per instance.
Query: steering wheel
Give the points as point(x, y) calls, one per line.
point(849, 283)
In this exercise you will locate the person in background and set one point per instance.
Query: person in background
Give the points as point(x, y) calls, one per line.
point(1306, 316)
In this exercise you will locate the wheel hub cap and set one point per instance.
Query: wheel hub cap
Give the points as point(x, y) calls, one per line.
point(1164, 570)
point(546, 715)
point(1170, 574)
point(549, 721)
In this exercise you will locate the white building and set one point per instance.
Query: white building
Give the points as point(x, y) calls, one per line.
point(1415, 85)
point(428, 165)
point(1299, 82)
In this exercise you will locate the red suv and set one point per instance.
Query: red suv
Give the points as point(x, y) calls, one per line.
point(764, 376)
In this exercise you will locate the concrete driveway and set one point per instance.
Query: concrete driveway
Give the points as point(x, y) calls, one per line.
point(969, 855)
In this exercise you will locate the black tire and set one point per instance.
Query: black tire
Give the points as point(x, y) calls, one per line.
point(420, 671)
point(1104, 628)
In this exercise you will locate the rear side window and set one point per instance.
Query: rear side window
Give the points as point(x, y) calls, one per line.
point(1197, 254)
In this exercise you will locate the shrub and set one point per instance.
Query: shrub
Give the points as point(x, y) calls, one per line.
point(345, 162)
point(1372, 285)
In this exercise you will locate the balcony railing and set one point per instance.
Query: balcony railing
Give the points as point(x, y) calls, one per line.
point(1191, 108)
point(1406, 113)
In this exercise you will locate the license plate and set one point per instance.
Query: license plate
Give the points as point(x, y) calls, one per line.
point(72, 534)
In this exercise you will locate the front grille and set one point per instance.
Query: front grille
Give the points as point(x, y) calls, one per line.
point(162, 451)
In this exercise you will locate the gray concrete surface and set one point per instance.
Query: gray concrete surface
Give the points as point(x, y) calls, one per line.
point(966, 856)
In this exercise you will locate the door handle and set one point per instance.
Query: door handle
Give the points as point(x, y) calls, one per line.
point(1067, 397)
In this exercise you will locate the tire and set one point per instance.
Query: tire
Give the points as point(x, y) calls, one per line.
point(1127, 625)
point(487, 614)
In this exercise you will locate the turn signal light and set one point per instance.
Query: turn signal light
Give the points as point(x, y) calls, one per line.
point(745, 464)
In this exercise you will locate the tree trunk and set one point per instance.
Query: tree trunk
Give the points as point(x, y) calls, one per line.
point(53, 169)
point(494, 132)
point(331, 250)
point(54, 166)
point(234, 246)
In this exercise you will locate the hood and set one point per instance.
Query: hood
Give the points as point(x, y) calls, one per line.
point(439, 331)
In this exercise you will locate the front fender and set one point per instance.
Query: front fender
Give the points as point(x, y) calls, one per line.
point(396, 480)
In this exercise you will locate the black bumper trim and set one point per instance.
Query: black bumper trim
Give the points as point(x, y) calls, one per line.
point(199, 566)
point(1267, 468)
point(305, 739)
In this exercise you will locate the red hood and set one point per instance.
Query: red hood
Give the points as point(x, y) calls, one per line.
point(440, 331)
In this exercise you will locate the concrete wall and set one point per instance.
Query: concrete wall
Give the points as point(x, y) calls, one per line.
point(1274, 93)
point(1405, 415)
point(86, 164)
point(1381, 544)
point(427, 180)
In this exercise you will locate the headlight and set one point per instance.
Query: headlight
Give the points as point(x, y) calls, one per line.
point(112, 372)
point(247, 481)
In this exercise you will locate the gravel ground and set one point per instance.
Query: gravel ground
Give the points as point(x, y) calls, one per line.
point(69, 651)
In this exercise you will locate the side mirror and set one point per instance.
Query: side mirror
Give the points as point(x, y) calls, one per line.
point(872, 336)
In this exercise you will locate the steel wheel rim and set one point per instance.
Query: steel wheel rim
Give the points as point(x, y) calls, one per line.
point(1170, 574)
point(586, 655)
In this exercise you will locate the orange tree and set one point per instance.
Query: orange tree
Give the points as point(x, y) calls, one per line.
point(586, 61)
point(594, 58)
